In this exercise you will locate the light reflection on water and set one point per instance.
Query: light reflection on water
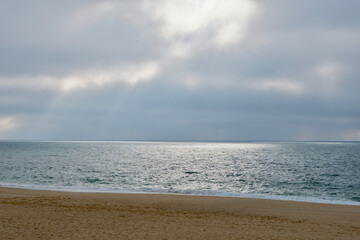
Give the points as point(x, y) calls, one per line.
point(317, 170)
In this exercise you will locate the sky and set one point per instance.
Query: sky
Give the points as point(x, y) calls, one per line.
point(180, 70)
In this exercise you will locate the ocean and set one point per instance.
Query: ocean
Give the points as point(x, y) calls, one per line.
point(326, 172)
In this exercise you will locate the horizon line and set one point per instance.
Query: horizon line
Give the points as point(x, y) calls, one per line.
point(166, 140)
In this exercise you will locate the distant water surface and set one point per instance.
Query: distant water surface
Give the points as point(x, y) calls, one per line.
point(306, 171)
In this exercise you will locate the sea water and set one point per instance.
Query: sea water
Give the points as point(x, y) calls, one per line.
point(304, 171)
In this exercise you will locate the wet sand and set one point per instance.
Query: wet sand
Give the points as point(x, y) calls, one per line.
point(29, 214)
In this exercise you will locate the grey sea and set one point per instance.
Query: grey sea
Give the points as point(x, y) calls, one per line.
point(302, 171)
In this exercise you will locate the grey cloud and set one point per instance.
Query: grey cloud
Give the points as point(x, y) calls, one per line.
point(286, 40)
point(319, 14)
point(162, 112)
point(45, 38)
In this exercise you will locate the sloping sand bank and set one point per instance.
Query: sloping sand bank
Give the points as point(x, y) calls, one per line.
point(28, 214)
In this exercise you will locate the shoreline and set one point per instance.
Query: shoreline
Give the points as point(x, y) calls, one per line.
point(301, 199)
point(33, 214)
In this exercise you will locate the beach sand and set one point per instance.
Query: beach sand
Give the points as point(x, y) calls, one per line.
point(29, 214)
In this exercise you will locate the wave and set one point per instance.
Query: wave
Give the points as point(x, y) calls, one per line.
point(183, 192)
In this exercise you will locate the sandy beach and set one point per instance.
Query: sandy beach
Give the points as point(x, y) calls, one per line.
point(29, 214)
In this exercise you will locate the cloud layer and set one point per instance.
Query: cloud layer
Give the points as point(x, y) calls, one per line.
point(180, 70)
